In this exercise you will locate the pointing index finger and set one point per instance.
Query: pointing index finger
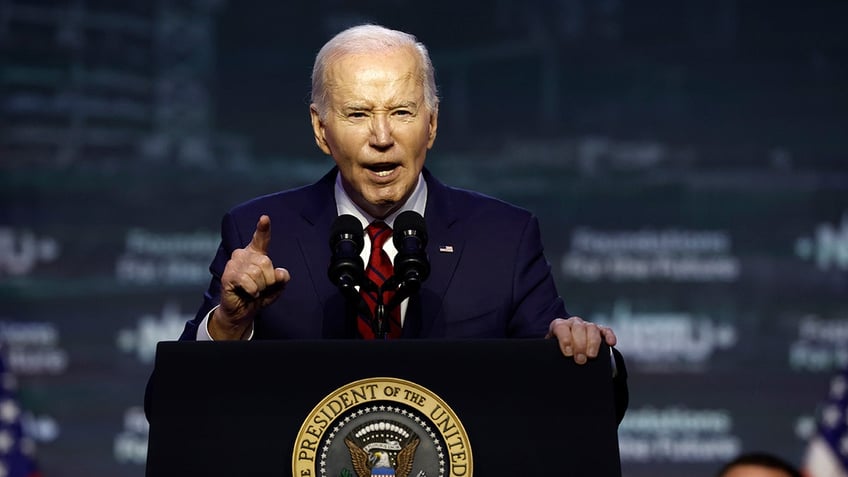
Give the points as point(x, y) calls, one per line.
point(262, 235)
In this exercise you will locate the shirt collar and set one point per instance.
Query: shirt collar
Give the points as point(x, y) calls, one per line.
point(345, 205)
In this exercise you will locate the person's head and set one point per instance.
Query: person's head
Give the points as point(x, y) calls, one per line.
point(375, 110)
point(758, 464)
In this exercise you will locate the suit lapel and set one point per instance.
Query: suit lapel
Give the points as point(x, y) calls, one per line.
point(444, 250)
point(319, 211)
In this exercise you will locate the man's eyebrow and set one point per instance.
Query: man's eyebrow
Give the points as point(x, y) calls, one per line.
point(355, 106)
point(405, 104)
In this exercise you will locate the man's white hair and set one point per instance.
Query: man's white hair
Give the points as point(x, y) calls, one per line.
point(364, 39)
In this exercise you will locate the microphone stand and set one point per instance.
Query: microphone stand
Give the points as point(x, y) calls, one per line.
point(348, 288)
point(379, 320)
point(403, 289)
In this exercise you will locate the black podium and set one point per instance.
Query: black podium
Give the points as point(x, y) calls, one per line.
point(246, 408)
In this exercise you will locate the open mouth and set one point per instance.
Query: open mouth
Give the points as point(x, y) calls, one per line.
point(382, 170)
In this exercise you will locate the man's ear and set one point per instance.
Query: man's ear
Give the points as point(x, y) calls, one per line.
point(318, 129)
point(434, 126)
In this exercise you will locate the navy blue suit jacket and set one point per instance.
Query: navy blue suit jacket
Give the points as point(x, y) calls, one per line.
point(489, 276)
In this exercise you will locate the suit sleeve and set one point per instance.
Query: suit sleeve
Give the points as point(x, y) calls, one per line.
point(534, 294)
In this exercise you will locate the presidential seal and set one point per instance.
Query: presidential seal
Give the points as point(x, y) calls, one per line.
point(382, 427)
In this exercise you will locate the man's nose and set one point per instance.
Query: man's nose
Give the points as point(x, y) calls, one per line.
point(381, 131)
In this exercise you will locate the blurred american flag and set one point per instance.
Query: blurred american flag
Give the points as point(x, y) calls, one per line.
point(827, 451)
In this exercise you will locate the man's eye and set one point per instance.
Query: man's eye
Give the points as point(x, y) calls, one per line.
point(402, 112)
point(357, 114)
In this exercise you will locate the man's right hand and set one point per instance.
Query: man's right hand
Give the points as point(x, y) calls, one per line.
point(249, 283)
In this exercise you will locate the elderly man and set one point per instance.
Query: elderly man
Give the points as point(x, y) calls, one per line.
point(375, 110)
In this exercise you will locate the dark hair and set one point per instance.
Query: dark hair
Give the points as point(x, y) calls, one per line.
point(762, 459)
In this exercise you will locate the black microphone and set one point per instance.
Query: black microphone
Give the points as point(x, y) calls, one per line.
point(346, 269)
point(410, 238)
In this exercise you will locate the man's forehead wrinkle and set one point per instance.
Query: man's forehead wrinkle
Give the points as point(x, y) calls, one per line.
point(365, 101)
point(371, 75)
point(370, 86)
point(370, 104)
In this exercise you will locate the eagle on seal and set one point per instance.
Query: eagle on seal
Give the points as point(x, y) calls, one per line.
point(378, 464)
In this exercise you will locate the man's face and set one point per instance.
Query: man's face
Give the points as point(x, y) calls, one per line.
point(377, 127)
point(750, 470)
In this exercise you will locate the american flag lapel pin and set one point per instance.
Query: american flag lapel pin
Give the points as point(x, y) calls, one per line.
point(446, 248)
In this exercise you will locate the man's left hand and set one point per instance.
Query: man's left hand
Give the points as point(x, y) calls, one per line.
point(579, 338)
